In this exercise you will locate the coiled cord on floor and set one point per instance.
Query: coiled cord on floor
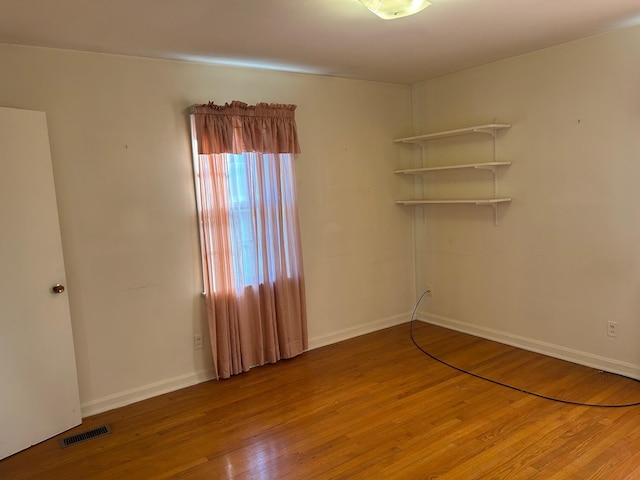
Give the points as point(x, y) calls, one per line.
point(517, 389)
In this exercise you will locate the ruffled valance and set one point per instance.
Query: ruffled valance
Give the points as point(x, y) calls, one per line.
point(238, 127)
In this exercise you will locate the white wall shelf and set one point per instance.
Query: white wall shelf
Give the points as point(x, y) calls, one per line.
point(481, 201)
point(490, 129)
point(485, 165)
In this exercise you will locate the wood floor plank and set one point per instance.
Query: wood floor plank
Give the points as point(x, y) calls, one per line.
point(369, 407)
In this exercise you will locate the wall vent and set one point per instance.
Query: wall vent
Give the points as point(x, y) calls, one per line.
point(84, 436)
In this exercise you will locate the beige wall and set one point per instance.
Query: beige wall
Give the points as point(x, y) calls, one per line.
point(121, 155)
point(565, 258)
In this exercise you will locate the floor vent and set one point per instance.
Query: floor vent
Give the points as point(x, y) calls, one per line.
point(84, 436)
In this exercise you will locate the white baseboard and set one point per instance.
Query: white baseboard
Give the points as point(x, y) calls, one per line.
point(142, 393)
point(556, 351)
point(358, 330)
point(165, 386)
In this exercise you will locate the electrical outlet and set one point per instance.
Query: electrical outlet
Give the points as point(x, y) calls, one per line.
point(612, 329)
point(197, 341)
point(429, 290)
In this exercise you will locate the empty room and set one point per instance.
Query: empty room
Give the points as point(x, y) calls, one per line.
point(323, 239)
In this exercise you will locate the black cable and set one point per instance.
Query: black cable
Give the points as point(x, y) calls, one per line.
point(517, 389)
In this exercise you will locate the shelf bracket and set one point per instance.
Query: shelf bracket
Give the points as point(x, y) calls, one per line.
point(489, 131)
point(494, 170)
point(495, 210)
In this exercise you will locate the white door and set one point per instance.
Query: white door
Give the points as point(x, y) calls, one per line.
point(38, 382)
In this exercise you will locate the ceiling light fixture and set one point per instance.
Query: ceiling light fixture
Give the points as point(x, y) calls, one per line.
point(390, 9)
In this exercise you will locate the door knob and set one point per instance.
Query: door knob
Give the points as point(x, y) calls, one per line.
point(57, 288)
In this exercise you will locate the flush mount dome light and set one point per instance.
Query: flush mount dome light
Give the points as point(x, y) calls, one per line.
point(390, 9)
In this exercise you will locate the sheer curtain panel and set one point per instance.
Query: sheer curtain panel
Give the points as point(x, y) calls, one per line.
point(249, 232)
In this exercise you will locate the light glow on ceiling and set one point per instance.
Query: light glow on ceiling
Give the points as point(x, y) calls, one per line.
point(391, 9)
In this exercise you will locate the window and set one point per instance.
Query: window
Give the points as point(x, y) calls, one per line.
point(259, 202)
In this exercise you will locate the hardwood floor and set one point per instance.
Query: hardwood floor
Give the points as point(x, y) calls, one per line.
point(372, 407)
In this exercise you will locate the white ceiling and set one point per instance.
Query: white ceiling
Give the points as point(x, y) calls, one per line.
point(327, 37)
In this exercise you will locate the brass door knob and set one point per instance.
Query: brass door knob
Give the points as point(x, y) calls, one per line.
point(57, 288)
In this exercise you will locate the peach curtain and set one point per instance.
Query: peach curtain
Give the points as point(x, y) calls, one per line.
point(251, 249)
